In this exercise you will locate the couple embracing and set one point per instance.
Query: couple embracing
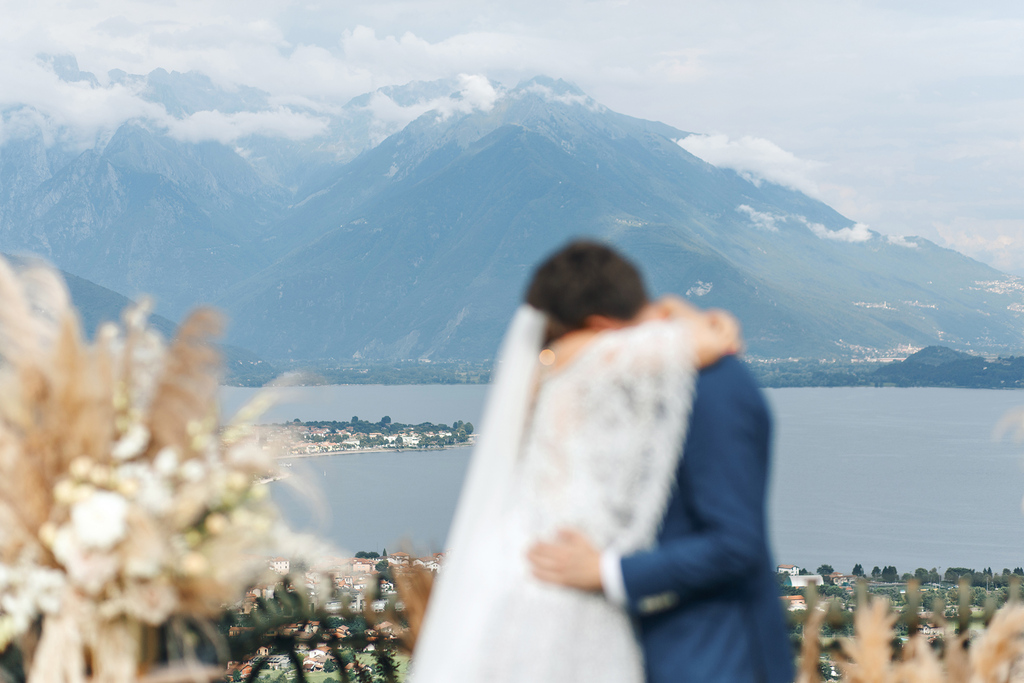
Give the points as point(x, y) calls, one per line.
point(612, 524)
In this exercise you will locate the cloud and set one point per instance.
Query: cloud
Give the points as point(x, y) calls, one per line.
point(476, 93)
point(567, 98)
point(83, 113)
point(760, 219)
point(226, 128)
point(901, 241)
point(409, 57)
point(999, 242)
point(34, 100)
point(681, 66)
point(755, 159)
point(915, 107)
point(857, 233)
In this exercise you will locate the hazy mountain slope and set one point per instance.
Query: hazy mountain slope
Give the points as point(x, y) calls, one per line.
point(370, 238)
point(422, 245)
point(173, 230)
point(97, 305)
point(144, 211)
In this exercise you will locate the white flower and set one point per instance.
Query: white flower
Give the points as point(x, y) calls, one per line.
point(193, 471)
point(26, 591)
point(166, 461)
point(132, 443)
point(146, 485)
point(89, 570)
point(142, 567)
point(99, 521)
point(45, 585)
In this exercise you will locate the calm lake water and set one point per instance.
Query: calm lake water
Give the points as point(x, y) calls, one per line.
point(908, 477)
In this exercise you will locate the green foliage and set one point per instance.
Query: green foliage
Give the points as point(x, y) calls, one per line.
point(399, 372)
point(953, 574)
point(832, 591)
point(934, 366)
point(927, 575)
point(857, 570)
point(291, 620)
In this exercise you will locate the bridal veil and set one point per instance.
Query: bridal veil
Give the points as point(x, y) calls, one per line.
point(440, 654)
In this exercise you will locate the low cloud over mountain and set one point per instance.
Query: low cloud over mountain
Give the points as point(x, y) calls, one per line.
point(405, 223)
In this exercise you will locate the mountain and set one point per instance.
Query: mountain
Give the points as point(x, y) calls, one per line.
point(421, 246)
point(163, 210)
point(371, 239)
point(938, 366)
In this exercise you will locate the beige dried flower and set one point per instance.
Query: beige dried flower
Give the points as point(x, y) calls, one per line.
point(120, 498)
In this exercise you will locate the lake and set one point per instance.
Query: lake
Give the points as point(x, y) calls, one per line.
point(907, 477)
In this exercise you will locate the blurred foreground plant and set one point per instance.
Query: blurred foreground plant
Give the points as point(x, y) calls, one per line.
point(123, 502)
point(974, 647)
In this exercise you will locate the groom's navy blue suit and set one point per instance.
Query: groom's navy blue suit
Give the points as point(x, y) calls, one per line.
point(707, 598)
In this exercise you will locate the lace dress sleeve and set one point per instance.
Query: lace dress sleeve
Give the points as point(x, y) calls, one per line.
point(608, 434)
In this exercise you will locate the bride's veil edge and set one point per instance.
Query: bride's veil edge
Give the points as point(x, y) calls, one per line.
point(486, 485)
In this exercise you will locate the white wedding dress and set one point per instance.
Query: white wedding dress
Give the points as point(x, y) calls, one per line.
point(593, 446)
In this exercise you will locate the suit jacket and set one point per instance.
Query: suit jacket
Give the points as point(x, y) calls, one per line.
point(706, 596)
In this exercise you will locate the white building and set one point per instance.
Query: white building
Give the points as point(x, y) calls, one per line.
point(804, 581)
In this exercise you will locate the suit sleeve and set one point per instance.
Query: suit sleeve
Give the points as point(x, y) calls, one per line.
point(724, 477)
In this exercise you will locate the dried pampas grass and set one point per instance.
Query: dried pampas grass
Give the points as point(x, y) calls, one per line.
point(122, 502)
point(875, 655)
point(999, 648)
point(414, 586)
point(869, 652)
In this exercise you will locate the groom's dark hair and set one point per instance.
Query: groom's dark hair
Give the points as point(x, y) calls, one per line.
point(585, 278)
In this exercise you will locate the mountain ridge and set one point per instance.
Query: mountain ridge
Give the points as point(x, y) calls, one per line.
point(377, 240)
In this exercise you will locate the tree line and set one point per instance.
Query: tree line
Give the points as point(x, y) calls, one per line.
point(889, 574)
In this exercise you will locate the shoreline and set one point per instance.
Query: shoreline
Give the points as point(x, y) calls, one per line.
point(281, 475)
point(375, 449)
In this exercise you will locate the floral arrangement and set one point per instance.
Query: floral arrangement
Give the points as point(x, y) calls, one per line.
point(123, 501)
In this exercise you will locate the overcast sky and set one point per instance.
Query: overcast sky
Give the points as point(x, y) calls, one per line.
point(908, 119)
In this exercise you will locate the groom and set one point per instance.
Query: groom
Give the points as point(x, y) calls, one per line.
point(706, 598)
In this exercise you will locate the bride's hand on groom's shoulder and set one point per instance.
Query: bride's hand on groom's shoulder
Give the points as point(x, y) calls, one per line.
point(716, 333)
point(670, 307)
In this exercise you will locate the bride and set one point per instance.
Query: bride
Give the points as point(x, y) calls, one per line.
point(583, 428)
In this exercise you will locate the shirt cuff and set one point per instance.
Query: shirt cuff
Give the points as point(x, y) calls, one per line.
point(612, 583)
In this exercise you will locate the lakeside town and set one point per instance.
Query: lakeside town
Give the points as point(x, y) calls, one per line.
point(298, 439)
point(357, 601)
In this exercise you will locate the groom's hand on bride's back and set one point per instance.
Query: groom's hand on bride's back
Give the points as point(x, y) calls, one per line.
point(570, 560)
